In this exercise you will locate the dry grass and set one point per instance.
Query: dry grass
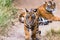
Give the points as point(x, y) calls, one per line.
point(52, 35)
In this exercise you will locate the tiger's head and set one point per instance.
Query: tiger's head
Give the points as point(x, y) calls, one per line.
point(30, 17)
point(50, 6)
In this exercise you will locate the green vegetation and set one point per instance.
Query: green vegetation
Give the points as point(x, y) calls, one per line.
point(6, 12)
point(5, 3)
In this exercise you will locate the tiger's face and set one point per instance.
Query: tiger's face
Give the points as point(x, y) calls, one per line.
point(50, 6)
point(30, 17)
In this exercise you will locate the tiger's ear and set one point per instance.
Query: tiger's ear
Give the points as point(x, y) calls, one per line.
point(26, 10)
point(52, 0)
point(35, 10)
point(54, 4)
point(45, 2)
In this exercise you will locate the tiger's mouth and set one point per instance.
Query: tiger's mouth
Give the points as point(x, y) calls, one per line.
point(49, 9)
point(30, 23)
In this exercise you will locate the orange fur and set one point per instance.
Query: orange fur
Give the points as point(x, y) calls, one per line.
point(48, 15)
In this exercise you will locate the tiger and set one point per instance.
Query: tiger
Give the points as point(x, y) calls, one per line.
point(46, 11)
point(31, 22)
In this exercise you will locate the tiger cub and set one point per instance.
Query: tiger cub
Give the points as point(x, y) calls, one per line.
point(30, 22)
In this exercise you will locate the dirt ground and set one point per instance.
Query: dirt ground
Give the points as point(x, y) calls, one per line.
point(16, 32)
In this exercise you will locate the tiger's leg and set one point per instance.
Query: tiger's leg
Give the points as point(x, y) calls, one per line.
point(27, 35)
point(34, 30)
point(38, 36)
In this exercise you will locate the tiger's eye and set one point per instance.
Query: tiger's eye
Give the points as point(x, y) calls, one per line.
point(27, 16)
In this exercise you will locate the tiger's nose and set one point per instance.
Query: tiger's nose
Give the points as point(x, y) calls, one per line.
point(30, 19)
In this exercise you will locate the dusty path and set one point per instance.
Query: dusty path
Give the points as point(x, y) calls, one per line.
point(16, 32)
